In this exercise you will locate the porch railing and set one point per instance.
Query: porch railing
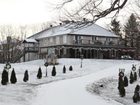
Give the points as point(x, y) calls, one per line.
point(31, 49)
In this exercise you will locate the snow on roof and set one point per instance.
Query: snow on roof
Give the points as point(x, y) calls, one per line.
point(30, 40)
point(92, 29)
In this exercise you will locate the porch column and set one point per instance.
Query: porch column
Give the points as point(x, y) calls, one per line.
point(90, 53)
point(86, 53)
point(75, 52)
point(97, 53)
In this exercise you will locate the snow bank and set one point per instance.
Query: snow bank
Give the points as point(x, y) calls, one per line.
point(73, 91)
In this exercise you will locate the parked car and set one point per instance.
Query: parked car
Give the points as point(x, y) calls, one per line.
point(126, 57)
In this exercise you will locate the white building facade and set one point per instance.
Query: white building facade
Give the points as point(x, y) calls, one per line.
point(68, 41)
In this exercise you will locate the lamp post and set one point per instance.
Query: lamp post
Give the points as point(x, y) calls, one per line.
point(81, 60)
point(46, 65)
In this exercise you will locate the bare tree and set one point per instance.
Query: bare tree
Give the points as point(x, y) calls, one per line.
point(137, 13)
point(91, 9)
point(2, 32)
point(23, 32)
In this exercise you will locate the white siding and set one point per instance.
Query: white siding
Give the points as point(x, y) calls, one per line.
point(57, 40)
point(64, 39)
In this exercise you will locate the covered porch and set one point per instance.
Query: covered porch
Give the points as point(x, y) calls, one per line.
point(91, 52)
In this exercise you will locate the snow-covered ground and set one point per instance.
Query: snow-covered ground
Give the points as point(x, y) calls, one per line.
point(64, 89)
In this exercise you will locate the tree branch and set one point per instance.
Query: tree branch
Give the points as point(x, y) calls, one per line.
point(92, 9)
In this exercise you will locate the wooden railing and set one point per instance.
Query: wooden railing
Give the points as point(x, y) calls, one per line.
point(97, 42)
point(31, 49)
point(23, 52)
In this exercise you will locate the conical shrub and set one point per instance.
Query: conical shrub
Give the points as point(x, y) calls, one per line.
point(131, 78)
point(39, 74)
point(136, 96)
point(13, 78)
point(53, 71)
point(26, 76)
point(64, 69)
point(121, 87)
point(139, 72)
point(122, 92)
point(135, 76)
point(4, 79)
point(125, 81)
point(70, 68)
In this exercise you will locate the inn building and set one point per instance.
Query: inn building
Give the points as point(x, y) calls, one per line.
point(68, 41)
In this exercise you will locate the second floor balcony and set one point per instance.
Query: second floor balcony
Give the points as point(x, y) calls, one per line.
point(95, 43)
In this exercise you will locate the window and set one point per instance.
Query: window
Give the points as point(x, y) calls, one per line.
point(94, 38)
point(78, 39)
point(108, 39)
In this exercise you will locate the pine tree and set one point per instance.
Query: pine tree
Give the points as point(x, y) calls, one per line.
point(39, 74)
point(122, 91)
point(115, 27)
point(139, 72)
point(54, 71)
point(136, 96)
point(131, 31)
point(13, 78)
point(121, 87)
point(26, 76)
point(137, 88)
point(64, 69)
point(120, 83)
point(135, 76)
point(70, 68)
point(131, 78)
point(125, 81)
point(4, 79)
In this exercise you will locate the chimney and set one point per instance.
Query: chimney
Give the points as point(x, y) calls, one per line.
point(84, 19)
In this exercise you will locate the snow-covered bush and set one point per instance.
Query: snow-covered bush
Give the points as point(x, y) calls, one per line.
point(26, 76)
point(39, 74)
point(13, 78)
